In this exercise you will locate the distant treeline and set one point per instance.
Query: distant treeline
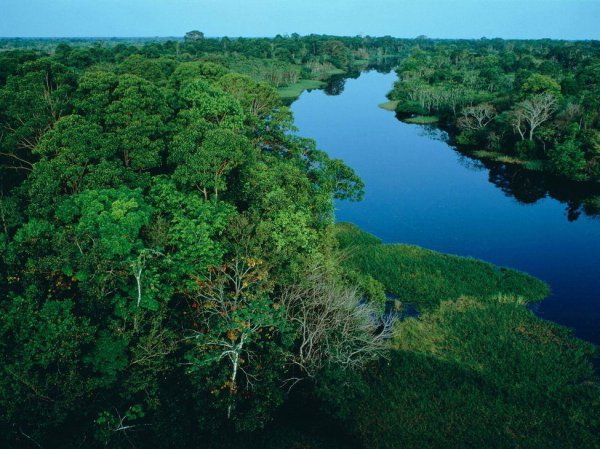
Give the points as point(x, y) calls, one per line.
point(280, 60)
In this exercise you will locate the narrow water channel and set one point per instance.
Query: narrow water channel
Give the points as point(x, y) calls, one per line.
point(421, 191)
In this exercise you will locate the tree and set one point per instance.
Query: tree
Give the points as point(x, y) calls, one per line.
point(207, 102)
point(238, 325)
point(532, 113)
point(338, 52)
point(475, 118)
point(186, 231)
point(193, 36)
point(137, 116)
point(333, 326)
point(30, 103)
point(43, 378)
point(95, 92)
point(188, 71)
point(205, 163)
point(257, 99)
point(538, 84)
point(74, 156)
point(568, 159)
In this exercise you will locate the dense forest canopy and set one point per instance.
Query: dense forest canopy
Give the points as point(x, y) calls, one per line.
point(171, 275)
point(153, 210)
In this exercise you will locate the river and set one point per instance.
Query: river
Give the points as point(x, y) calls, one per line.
point(420, 190)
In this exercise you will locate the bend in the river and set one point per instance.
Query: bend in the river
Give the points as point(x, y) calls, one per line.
point(421, 191)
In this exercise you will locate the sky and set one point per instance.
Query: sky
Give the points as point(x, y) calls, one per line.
point(527, 19)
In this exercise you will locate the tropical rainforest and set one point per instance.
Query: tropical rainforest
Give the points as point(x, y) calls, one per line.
point(171, 273)
point(529, 103)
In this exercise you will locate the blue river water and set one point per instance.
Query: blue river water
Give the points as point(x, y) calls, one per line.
point(420, 190)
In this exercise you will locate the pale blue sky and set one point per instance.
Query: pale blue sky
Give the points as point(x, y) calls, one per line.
point(561, 19)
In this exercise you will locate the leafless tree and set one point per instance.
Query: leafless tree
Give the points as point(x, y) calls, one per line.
point(333, 325)
point(532, 113)
point(477, 117)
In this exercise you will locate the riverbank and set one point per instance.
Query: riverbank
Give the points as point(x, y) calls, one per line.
point(291, 92)
point(422, 191)
point(585, 193)
point(477, 368)
point(546, 118)
point(425, 278)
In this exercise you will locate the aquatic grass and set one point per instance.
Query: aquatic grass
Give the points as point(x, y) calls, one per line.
point(424, 277)
point(483, 375)
point(475, 369)
point(422, 120)
point(475, 373)
point(350, 235)
point(389, 105)
point(533, 164)
point(294, 90)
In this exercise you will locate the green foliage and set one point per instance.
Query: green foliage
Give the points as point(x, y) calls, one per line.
point(568, 159)
point(32, 100)
point(423, 277)
point(109, 356)
point(155, 203)
point(186, 228)
point(44, 379)
point(526, 149)
point(477, 373)
point(136, 117)
point(537, 84)
point(106, 221)
point(206, 166)
point(256, 98)
point(135, 183)
point(210, 103)
point(188, 71)
point(239, 348)
point(476, 368)
point(410, 108)
point(194, 35)
point(500, 93)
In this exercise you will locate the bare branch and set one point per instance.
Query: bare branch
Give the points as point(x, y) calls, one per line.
point(533, 112)
point(333, 325)
point(477, 117)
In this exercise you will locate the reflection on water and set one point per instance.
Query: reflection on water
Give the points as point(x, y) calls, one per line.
point(419, 190)
point(335, 84)
point(528, 187)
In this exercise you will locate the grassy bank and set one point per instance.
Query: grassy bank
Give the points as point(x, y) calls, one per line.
point(422, 120)
point(476, 370)
point(425, 277)
point(388, 105)
point(536, 165)
point(473, 375)
point(294, 90)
